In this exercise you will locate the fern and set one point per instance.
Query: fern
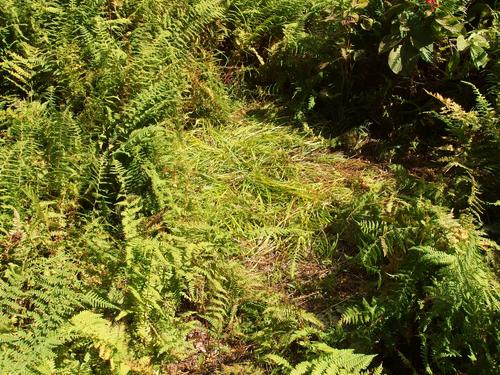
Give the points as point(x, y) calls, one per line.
point(37, 299)
point(109, 340)
point(435, 273)
point(334, 361)
point(474, 135)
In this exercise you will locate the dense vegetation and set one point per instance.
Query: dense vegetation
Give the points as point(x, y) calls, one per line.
point(249, 187)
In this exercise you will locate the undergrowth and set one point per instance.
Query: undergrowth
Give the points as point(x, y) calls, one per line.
point(169, 205)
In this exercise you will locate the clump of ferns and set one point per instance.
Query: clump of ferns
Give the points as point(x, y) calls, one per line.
point(323, 359)
point(154, 275)
point(207, 101)
point(40, 297)
point(135, 164)
point(271, 326)
point(43, 148)
point(470, 154)
point(437, 286)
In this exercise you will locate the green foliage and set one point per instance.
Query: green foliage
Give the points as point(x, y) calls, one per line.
point(157, 216)
point(37, 299)
point(423, 32)
point(470, 152)
point(110, 341)
point(333, 361)
point(330, 62)
point(435, 288)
